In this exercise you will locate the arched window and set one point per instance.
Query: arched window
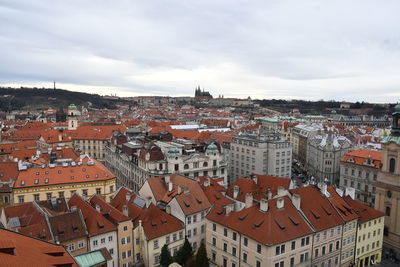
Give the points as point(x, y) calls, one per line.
point(392, 165)
point(186, 166)
point(205, 164)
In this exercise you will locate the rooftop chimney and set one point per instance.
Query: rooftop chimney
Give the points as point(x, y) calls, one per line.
point(170, 186)
point(280, 203)
point(98, 208)
point(167, 179)
point(349, 191)
point(264, 205)
point(281, 191)
point(296, 201)
point(235, 191)
point(125, 210)
point(128, 197)
point(249, 200)
point(254, 178)
point(207, 182)
point(179, 189)
point(269, 193)
point(229, 208)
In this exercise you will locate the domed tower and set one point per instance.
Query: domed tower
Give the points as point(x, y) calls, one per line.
point(388, 184)
point(72, 115)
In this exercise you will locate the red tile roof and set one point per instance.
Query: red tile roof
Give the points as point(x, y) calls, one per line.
point(67, 226)
point(193, 201)
point(364, 212)
point(360, 156)
point(259, 189)
point(19, 250)
point(343, 208)
point(95, 222)
point(317, 208)
point(272, 227)
point(8, 171)
point(112, 214)
point(63, 175)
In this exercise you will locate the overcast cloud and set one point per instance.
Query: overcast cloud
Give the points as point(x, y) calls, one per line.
point(308, 49)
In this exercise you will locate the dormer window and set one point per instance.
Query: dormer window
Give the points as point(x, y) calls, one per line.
point(46, 181)
point(23, 182)
point(350, 160)
point(36, 181)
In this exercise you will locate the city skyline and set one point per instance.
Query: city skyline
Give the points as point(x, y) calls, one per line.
point(278, 49)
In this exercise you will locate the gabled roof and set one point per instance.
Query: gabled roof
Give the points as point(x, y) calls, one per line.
point(18, 250)
point(359, 157)
point(157, 223)
point(95, 222)
point(111, 213)
point(364, 212)
point(191, 198)
point(120, 200)
point(342, 208)
point(67, 226)
point(259, 189)
point(317, 208)
point(272, 227)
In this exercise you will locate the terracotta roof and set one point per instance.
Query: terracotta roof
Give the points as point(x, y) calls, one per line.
point(111, 213)
point(364, 212)
point(67, 226)
point(63, 175)
point(157, 223)
point(8, 171)
point(259, 189)
point(7, 148)
point(317, 208)
point(19, 250)
point(360, 156)
point(272, 227)
point(343, 208)
point(120, 199)
point(96, 132)
point(95, 222)
point(31, 221)
point(191, 198)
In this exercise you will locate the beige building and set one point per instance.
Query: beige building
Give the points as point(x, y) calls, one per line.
point(387, 185)
point(271, 233)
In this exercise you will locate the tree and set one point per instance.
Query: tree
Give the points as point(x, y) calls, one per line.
point(184, 253)
point(201, 256)
point(165, 257)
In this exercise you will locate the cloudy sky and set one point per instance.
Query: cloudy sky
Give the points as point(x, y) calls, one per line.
point(299, 49)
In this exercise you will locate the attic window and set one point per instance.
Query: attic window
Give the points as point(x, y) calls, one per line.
point(72, 177)
point(280, 224)
point(46, 172)
point(186, 204)
point(100, 225)
point(46, 181)
point(153, 224)
point(87, 175)
point(257, 225)
point(242, 218)
point(59, 171)
point(350, 159)
point(163, 221)
point(199, 201)
point(316, 216)
point(37, 173)
point(106, 174)
point(36, 181)
point(220, 212)
point(97, 176)
point(327, 212)
point(22, 182)
point(294, 221)
point(217, 197)
point(84, 169)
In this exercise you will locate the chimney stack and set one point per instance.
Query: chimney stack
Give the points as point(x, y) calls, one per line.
point(128, 197)
point(281, 191)
point(264, 205)
point(98, 208)
point(170, 186)
point(349, 191)
point(228, 209)
point(249, 200)
point(207, 182)
point(179, 189)
point(235, 191)
point(280, 203)
point(125, 210)
point(269, 193)
point(167, 179)
point(296, 201)
point(254, 178)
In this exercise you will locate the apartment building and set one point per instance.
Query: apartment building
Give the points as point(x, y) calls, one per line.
point(183, 198)
point(300, 136)
point(101, 232)
point(271, 233)
point(266, 154)
point(369, 240)
point(359, 170)
point(325, 222)
point(324, 154)
point(135, 161)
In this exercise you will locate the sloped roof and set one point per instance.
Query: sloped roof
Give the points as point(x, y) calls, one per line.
point(113, 214)
point(360, 156)
point(272, 227)
point(67, 226)
point(342, 208)
point(29, 251)
point(364, 212)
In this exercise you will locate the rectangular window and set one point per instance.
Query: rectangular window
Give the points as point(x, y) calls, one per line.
point(155, 244)
point(81, 244)
point(245, 241)
point(293, 245)
point(258, 248)
point(214, 227)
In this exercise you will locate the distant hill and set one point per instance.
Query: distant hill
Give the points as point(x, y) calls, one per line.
point(34, 98)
